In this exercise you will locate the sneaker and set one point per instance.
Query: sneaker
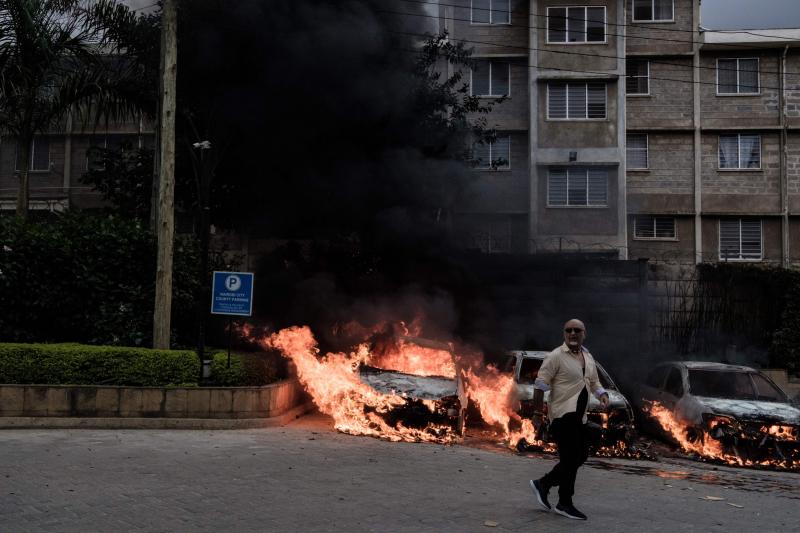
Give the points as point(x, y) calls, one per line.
point(540, 493)
point(569, 511)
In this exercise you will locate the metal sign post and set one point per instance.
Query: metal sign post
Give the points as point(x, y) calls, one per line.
point(232, 295)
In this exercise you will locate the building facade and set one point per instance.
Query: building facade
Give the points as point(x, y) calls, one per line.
point(627, 129)
point(60, 157)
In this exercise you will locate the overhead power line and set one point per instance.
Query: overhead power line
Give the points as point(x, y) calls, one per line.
point(565, 52)
point(582, 71)
point(648, 27)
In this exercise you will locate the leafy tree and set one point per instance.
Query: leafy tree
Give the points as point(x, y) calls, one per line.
point(57, 57)
point(124, 176)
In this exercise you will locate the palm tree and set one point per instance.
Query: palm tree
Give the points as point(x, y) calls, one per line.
point(59, 57)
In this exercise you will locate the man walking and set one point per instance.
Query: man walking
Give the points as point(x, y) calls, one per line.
point(569, 373)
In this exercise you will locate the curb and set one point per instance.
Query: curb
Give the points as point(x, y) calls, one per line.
point(45, 422)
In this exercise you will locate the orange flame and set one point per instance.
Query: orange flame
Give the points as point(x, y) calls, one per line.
point(494, 395)
point(335, 387)
point(418, 360)
point(334, 383)
point(700, 442)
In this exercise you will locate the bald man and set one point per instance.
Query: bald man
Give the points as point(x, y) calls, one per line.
point(570, 374)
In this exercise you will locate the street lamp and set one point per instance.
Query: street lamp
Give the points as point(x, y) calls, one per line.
point(203, 192)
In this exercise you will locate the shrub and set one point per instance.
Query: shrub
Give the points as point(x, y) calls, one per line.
point(77, 364)
point(89, 278)
point(247, 369)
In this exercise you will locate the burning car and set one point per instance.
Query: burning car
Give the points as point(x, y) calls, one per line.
point(423, 373)
point(432, 402)
point(615, 425)
point(395, 388)
point(726, 412)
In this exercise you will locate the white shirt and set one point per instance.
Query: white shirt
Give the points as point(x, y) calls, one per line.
point(563, 375)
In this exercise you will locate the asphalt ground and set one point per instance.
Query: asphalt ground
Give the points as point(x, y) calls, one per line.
point(307, 477)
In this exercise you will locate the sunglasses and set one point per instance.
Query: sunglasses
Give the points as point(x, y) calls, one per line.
point(573, 330)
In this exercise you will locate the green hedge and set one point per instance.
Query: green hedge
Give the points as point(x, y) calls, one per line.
point(80, 364)
point(89, 278)
point(247, 369)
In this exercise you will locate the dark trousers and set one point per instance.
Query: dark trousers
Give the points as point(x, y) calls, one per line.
point(570, 434)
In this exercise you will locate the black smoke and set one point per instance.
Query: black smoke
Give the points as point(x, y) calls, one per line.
point(326, 141)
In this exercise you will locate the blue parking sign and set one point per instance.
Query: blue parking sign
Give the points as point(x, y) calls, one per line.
point(232, 293)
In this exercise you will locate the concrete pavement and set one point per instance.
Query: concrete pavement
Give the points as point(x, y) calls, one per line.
point(306, 477)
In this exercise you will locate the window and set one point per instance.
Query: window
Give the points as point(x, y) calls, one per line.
point(653, 227)
point(98, 143)
point(637, 77)
point(577, 187)
point(674, 383)
point(737, 76)
point(576, 24)
point(740, 151)
point(491, 12)
point(766, 391)
point(576, 101)
point(721, 384)
point(740, 239)
point(40, 155)
point(636, 151)
point(490, 78)
point(493, 155)
point(653, 10)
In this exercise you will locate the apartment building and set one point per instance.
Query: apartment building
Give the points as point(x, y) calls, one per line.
point(629, 130)
point(60, 157)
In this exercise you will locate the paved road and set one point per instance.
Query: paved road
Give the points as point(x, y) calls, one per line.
point(305, 477)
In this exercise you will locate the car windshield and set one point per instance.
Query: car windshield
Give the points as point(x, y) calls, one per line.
point(605, 380)
point(732, 385)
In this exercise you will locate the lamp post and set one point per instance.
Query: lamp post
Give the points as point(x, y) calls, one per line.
point(203, 176)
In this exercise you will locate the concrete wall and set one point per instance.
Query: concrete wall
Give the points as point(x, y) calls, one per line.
point(670, 172)
point(793, 88)
point(149, 402)
point(670, 102)
point(793, 171)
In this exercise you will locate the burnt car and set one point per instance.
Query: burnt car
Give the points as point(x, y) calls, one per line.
point(434, 404)
point(612, 425)
point(737, 406)
point(429, 400)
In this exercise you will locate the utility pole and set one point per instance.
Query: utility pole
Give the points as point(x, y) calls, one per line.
point(166, 182)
